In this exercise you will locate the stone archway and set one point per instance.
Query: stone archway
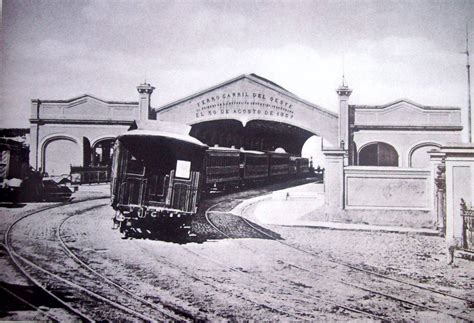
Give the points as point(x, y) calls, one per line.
point(59, 153)
point(262, 135)
point(101, 151)
point(378, 154)
point(418, 156)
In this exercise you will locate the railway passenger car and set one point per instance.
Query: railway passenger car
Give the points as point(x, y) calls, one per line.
point(293, 165)
point(302, 166)
point(155, 181)
point(159, 176)
point(253, 165)
point(278, 165)
point(221, 168)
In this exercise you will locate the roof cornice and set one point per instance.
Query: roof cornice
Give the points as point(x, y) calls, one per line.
point(85, 96)
point(393, 103)
point(75, 121)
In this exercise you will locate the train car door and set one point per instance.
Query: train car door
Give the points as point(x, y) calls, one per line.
point(183, 192)
point(133, 186)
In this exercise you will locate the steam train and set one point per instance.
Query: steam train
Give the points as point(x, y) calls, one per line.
point(159, 177)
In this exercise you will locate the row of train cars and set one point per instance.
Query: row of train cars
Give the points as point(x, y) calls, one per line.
point(158, 178)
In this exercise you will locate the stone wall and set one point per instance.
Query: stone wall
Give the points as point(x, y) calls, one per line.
point(387, 188)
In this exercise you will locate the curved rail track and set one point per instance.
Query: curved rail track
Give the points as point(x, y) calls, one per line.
point(104, 297)
point(405, 302)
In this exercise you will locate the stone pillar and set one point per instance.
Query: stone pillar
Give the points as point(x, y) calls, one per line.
point(343, 92)
point(459, 162)
point(35, 123)
point(334, 180)
point(144, 105)
point(438, 192)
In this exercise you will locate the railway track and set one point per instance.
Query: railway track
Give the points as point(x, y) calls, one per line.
point(381, 283)
point(309, 300)
point(74, 284)
point(250, 297)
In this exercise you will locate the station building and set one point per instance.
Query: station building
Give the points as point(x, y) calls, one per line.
point(248, 111)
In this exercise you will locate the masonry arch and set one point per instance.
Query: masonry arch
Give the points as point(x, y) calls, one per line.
point(313, 150)
point(101, 150)
point(254, 113)
point(378, 154)
point(256, 134)
point(418, 154)
point(59, 152)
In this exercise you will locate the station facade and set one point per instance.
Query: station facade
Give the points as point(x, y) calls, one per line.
point(382, 166)
point(247, 112)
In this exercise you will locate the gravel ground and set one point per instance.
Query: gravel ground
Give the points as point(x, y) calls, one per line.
point(252, 277)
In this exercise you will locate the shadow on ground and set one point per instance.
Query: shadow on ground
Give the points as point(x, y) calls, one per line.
point(16, 293)
point(12, 205)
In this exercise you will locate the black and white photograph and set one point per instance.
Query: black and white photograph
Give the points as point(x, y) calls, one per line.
point(236, 160)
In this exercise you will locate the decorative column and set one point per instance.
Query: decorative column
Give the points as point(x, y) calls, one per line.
point(144, 110)
point(338, 157)
point(440, 182)
point(344, 92)
point(35, 123)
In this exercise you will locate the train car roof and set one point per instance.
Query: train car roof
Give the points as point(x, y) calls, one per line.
point(163, 134)
point(158, 125)
point(224, 148)
point(255, 152)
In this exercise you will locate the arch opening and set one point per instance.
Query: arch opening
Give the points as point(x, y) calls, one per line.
point(262, 135)
point(419, 157)
point(313, 150)
point(59, 154)
point(101, 153)
point(378, 154)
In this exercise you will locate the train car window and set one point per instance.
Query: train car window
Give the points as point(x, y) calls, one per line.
point(135, 166)
point(183, 168)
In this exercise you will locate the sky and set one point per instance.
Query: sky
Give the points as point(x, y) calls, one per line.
point(60, 49)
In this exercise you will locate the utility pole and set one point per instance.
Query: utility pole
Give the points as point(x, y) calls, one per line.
point(469, 125)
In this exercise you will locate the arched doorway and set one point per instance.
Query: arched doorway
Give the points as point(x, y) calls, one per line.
point(59, 154)
point(378, 154)
point(101, 151)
